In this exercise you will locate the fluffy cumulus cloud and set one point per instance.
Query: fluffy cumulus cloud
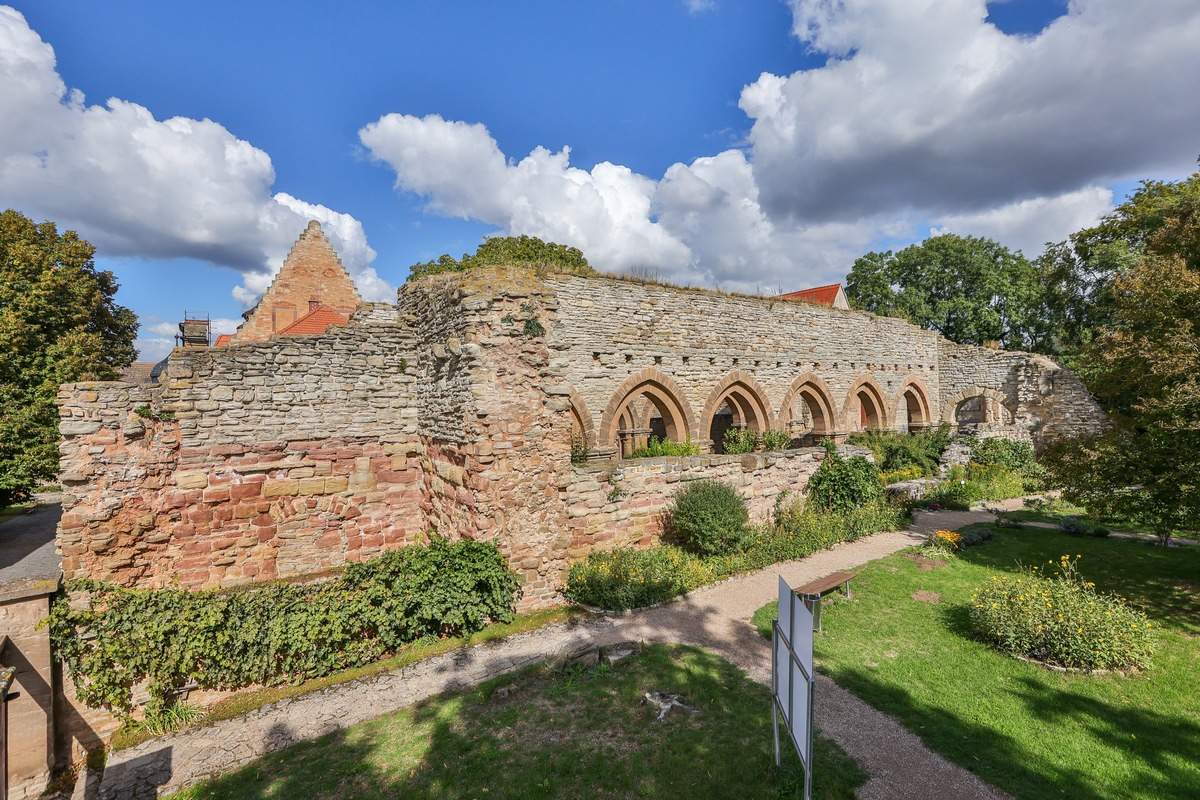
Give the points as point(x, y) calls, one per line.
point(924, 118)
point(138, 186)
point(925, 104)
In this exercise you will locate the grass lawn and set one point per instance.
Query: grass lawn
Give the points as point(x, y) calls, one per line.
point(1027, 730)
point(571, 732)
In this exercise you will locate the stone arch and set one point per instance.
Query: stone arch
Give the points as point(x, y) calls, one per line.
point(661, 395)
point(747, 400)
point(865, 407)
point(990, 398)
point(581, 419)
point(810, 389)
point(912, 405)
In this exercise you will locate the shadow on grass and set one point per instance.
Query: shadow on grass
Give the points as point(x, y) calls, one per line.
point(1164, 748)
point(572, 732)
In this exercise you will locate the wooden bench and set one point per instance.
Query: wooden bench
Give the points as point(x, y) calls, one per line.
point(811, 593)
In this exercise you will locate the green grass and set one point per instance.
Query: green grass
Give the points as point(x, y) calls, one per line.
point(16, 510)
point(1029, 731)
point(251, 699)
point(1112, 523)
point(573, 732)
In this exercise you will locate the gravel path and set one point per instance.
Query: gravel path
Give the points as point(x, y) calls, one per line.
point(714, 617)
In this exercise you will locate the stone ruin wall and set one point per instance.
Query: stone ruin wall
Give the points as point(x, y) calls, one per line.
point(282, 458)
point(451, 412)
point(622, 504)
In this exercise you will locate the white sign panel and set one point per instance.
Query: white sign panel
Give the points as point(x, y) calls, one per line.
point(792, 677)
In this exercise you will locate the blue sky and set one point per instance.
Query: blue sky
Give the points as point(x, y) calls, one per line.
point(758, 145)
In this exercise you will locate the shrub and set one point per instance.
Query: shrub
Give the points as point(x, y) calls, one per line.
point(744, 440)
point(896, 451)
point(775, 440)
point(740, 440)
point(1061, 619)
point(579, 449)
point(841, 485)
point(896, 476)
point(1015, 457)
point(656, 447)
point(274, 633)
point(630, 578)
point(709, 517)
point(1074, 526)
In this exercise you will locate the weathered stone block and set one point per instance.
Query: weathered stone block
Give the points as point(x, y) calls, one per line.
point(280, 488)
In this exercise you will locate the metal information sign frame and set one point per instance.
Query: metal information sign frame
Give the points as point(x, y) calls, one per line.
point(792, 681)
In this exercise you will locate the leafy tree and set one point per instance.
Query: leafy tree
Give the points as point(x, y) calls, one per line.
point(1144, 365)
point(525, 251)
point(58, 324)
point(1077, 274)
point(968, 289)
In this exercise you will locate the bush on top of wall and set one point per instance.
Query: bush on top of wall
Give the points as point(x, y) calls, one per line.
point(275, 633)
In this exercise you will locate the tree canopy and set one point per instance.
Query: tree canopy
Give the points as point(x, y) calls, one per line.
point(58, 324)
point(1143, 363)
point(970, 290)
point(499, 251)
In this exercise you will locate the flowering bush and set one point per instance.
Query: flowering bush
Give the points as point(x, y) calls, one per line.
point(631, 578)
point(1061, 619)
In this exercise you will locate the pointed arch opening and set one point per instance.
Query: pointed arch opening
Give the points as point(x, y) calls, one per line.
point(865, 408)
point(737, 402)
point(807, 411)
point(647, 404)
point(912, 406)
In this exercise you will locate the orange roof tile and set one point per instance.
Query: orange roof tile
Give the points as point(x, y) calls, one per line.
point(222, 340)
point(316, 321)
point(821, 295)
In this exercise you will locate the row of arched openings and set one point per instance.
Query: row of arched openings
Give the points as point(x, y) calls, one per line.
point(650, 404)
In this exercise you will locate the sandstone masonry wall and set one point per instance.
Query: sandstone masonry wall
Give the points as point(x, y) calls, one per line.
point(454, 411)
point(251, 462)
point(623, 504)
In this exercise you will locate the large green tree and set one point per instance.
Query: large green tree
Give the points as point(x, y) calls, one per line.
point(970, 290)
point(1143, 364)
point(500, 251)
point(58, 323)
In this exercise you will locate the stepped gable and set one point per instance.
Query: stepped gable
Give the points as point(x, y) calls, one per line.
point(312, 277)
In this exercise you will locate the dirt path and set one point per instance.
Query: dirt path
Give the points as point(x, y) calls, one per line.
point(715, 617)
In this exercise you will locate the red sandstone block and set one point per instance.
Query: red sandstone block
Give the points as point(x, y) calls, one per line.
point(266, 533)
point(245, 511)
point(229, 450)
point(348, 454)
point(352, 513)
point(71, 522)
point(243, 491)
point(222, 513)
point(262, 520)
point(268, 447)
point(216, 495)
point(322, 454)
point(190, 453)
point(220, 478)
point(200, 515)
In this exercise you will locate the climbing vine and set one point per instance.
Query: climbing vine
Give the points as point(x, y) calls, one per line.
point(275, 633)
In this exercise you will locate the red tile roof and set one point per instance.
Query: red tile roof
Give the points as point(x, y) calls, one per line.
point(222, 340)
point(316, 321)
point(821, 295)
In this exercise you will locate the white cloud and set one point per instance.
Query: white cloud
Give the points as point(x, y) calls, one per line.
point(700, 6)
point(1028, 225)
point(926, 105)
point(138, 186)
point(924, 114)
